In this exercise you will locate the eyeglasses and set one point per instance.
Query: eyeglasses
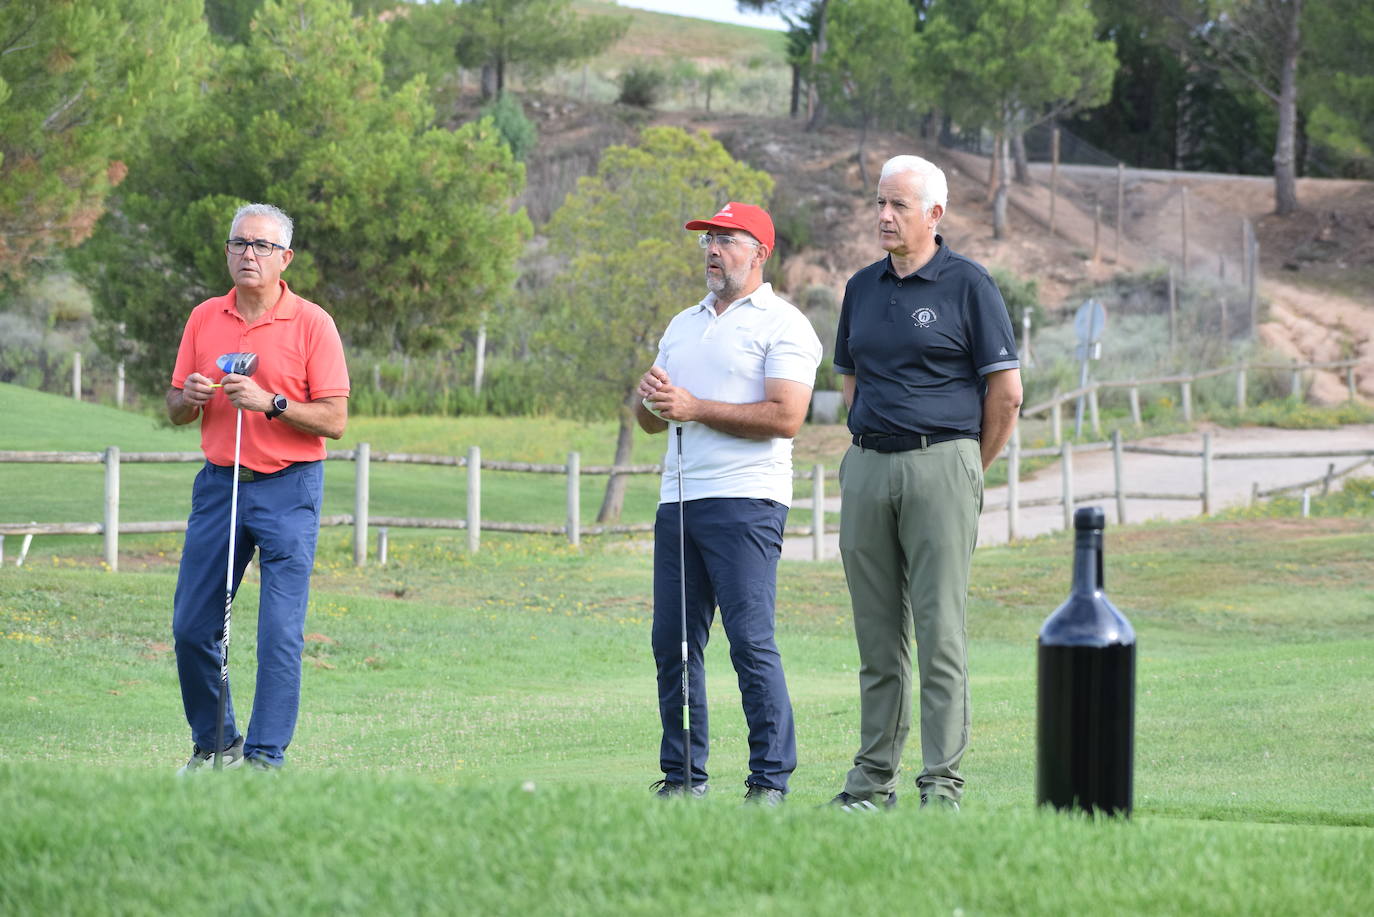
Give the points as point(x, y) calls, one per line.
point(724, 242)
point(261, 247)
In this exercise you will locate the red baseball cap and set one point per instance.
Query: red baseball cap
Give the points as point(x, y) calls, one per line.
point(734, 215)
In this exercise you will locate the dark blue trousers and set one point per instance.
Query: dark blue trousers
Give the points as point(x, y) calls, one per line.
point(280, 518)
point(731, 556)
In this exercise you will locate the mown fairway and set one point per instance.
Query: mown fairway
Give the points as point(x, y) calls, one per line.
point(438, 687)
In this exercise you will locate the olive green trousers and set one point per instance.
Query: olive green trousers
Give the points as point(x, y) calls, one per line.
point(908, 526)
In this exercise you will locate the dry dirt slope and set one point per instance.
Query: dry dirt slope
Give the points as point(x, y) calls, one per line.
point(1317, 268)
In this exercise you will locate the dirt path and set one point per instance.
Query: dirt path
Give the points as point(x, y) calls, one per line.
point(1232, 480)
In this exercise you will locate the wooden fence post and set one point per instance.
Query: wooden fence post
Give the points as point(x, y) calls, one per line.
point(1187, 395)
point(1173, 312)
point(1327, 478)
point(1135, 406)
point(818, 512)
point(1240, 387)
point(1120, 478)
point(1350, 381)
point(574, 499)
point(1054, 172)
point(1120, 207)
point(119, 384)
point(361, 478)
point(382, 539)
point(474, 499)
point(76, 375)
point(112, 508)
point(1057, 421)
point(1295, 383)
point(1013, 484)
point(1092, 412)
point(1207, 474)
point(1183, 219)
point(1066, 472)
point(1097, 230)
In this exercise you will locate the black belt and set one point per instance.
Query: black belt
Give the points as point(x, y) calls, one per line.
point(248, 475)
point(904, 442)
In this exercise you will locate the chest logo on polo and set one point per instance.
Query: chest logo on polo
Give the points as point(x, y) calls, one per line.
point(924, 317)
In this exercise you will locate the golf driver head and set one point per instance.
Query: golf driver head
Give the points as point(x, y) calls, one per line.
point(240, 364)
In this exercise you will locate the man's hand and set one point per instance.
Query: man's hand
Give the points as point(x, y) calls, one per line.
point(675, 404)
point(244, 393)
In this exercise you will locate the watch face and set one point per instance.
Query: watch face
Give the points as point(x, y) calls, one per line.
point(279, 403)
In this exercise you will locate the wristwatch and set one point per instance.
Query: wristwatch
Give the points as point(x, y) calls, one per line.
point(279, 406)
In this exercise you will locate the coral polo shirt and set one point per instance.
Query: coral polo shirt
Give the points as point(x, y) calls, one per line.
point(300, 356)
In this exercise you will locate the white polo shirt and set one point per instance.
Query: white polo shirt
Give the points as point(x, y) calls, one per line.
point(726, 358)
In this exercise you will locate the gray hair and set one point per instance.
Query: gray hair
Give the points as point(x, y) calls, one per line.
point(934, 189)
point(284, 224)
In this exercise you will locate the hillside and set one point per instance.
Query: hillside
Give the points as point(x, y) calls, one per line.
point(1316, 268)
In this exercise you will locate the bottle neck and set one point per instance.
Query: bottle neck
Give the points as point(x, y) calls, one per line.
point(1087, 561)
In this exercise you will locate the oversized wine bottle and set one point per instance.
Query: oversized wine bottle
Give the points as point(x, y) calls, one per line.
point(1086, 697)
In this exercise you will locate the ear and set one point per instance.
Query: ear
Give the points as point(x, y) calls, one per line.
point(936, 212)
point(286, 257)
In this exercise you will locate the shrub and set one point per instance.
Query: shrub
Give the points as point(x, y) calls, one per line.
point(517, 131)
point(640, 86)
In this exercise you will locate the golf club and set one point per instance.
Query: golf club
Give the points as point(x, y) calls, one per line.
point(682, 596)
point(242, 364)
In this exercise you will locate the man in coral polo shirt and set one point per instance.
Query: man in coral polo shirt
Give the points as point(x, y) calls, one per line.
point(297, 396)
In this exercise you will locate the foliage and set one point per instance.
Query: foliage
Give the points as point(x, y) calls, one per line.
point(405, 230)
point(1022, 296)
point(1292, 414)
point(80, 83)
point(640, 85)
point(535, 35)
point(518, 131)
point(1338, 84)
point(864, 40)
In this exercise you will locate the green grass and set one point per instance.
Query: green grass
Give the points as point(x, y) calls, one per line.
point(437, 687)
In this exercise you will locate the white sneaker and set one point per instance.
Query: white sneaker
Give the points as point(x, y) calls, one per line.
point(205, 760)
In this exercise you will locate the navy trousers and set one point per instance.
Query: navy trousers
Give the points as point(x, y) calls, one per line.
point(731, 556)
point(279, 517)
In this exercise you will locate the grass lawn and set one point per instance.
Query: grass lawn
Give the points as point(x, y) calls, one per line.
point(478, 734)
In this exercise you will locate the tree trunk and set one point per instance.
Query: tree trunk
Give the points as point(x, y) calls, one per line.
point(1018, 151)
point(796, 91)
point(488, 81)
point(1285, 159)
point(999, 201)
point(818, 52)
point(614, 501)
point(863, 136)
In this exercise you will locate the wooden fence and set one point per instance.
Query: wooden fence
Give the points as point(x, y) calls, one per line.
point(1054, 406)
point(362, 520)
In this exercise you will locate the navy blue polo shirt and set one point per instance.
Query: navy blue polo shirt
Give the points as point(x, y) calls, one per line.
point(920, 345)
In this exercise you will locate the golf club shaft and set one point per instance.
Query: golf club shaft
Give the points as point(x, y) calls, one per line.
point(228, 596)
point(682, 606)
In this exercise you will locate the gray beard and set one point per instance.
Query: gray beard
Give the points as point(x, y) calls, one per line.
point(725, 286)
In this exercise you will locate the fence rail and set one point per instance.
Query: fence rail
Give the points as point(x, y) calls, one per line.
point(1053, 406)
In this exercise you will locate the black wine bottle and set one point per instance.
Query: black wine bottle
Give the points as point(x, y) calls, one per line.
point(1086, 696)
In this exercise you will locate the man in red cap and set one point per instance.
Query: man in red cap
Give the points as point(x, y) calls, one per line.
point(735, 372)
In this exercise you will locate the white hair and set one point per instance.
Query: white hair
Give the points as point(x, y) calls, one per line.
point(284, 224)
point(934, 189)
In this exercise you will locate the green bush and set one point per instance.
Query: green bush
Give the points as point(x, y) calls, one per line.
point(508, 115)
point(641, 86)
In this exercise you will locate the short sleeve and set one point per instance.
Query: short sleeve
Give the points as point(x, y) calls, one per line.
point(843, 360)
point(992, 340)
point(795, 353)
point(326, 370)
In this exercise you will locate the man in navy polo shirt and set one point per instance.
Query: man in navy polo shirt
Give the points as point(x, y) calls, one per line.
point(933, 386)
point(735, 371)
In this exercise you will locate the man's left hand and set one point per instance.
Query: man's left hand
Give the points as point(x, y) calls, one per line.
point(675, 404)
point(245, 394)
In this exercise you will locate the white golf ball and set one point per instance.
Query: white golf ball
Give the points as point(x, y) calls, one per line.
point(527, 786)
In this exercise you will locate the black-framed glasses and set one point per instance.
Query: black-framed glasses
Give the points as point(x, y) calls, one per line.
point(261, 247)
point(723, 241)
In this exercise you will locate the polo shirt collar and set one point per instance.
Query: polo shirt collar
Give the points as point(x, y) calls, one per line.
point(287, 305)
point(931, 269)
point(761, 298)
